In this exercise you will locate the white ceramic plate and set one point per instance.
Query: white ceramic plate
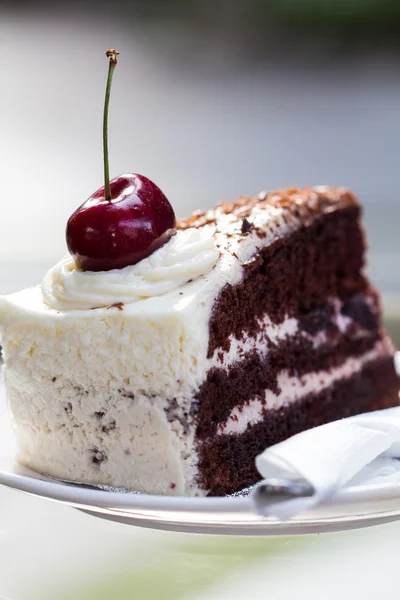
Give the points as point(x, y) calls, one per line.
point(373, 498)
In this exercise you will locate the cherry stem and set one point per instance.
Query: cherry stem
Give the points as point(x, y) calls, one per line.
point(112, 55)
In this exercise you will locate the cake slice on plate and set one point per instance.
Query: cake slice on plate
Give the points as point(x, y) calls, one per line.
point(163, 357)
point(253, 322)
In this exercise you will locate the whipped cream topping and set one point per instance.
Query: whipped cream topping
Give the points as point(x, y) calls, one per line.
point(186, 256)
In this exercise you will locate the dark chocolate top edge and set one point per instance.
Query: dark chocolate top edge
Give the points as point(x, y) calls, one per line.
point(304, 203)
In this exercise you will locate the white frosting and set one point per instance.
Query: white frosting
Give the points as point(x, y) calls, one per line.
point(99, 436)
point(187, 255)
point(295, 388)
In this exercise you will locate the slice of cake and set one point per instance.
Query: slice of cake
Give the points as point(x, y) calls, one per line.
point(253, 322)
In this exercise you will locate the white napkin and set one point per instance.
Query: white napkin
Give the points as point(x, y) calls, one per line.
point(327, 457)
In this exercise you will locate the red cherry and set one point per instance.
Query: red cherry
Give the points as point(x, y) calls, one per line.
point(124, 221)
point(111, 234)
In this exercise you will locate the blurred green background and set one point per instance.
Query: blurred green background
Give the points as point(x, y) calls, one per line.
point(337, 17)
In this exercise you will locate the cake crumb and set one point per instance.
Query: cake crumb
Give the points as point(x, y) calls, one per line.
point(109, 426)
point(97, 456)
point(246, 226)
point(119, 305)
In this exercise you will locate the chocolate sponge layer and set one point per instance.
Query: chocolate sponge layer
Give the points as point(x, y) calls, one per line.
point(227, 462)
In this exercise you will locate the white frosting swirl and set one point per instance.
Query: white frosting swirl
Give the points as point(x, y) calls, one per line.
point(186, 256)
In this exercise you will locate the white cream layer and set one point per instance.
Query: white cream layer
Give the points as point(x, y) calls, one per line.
point(187, 255)
point(296, 388)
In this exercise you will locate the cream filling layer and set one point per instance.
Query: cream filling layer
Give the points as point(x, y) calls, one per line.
point(269, 332)
point(296, 388)
point(187, 255)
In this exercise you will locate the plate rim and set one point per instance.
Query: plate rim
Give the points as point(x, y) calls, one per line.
point(72, 493)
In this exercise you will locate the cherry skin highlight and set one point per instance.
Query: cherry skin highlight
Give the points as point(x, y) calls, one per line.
point(111, 234)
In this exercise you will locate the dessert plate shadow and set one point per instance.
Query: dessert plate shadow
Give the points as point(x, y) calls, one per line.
point(373, 498)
